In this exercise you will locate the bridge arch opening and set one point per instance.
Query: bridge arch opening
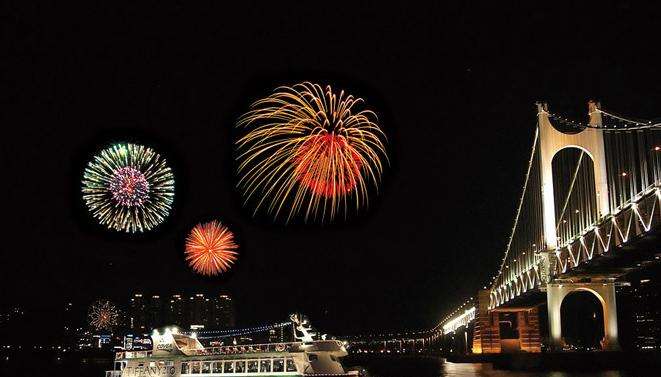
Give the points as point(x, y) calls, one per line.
point(582, 318)
point(574, 191)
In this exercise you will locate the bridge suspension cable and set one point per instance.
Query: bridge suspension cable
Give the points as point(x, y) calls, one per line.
point(571, 189)
point(575, 192)
point(626, 124)
point(518, 267)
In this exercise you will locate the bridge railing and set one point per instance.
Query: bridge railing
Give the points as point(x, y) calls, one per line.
point(633, 221)
point(459, 321)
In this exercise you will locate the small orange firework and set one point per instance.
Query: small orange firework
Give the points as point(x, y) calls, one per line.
point(103, 315)
point(309, 150)
point(210, 248)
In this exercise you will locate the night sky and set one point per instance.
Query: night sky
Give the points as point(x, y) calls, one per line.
point(454, 88)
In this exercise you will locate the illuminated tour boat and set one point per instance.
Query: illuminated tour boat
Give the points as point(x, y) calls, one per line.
point(180, 355)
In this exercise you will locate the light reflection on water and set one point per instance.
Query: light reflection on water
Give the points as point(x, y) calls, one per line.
point(435, 368)
point(486, 370)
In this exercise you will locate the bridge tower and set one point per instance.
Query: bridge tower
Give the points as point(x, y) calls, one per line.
point(591, 141)
point(552, 141)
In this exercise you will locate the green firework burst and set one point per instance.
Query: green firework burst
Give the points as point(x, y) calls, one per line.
point(128, 187)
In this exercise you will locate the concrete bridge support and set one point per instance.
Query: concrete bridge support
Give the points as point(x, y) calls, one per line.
point(487, 337)
point(604, 291)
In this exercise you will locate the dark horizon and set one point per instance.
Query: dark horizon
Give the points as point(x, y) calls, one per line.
point(454, 88)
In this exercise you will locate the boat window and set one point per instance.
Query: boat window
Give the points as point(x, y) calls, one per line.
point(229, 367)
point(195, 367)
point(312, 357)
point(240, 366)
point(265, 366)
point(252, 366)
point(206, 367)
point(184, 368)
point(333, 358)
point(291, 366)
point(279, 365)
point(218, 367)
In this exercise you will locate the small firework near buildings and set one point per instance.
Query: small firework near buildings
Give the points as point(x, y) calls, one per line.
point(309, 150)
point(103, 315)
point(211, 248)
point(128, 187)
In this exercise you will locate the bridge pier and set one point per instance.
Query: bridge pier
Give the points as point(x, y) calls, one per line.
point(523, 333)
point(604, 291)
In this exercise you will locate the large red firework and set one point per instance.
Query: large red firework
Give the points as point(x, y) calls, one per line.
point(309, 150)
point(211, 249)
point(327, 165)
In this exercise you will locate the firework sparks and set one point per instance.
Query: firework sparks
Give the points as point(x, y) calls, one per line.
point(129, 188)
point(103, 315)
point(309, 150)
point(210, 248)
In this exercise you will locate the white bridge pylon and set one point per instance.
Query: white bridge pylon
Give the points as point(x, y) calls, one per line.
point(552, 141)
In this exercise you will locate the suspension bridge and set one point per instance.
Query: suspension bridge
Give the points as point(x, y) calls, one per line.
point(589, 213)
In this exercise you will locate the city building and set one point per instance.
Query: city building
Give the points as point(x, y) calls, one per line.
point(646, 315)
point(276, 335)
point(175, 310)
point(155, 317)
point(138, 313)
point(70, 321)
point(222, 312)
point(197, 311)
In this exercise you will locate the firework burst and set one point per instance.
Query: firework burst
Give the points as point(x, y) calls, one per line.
point(210, 248)
point(309, 150)
point(103, 315)
point(128, 187)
